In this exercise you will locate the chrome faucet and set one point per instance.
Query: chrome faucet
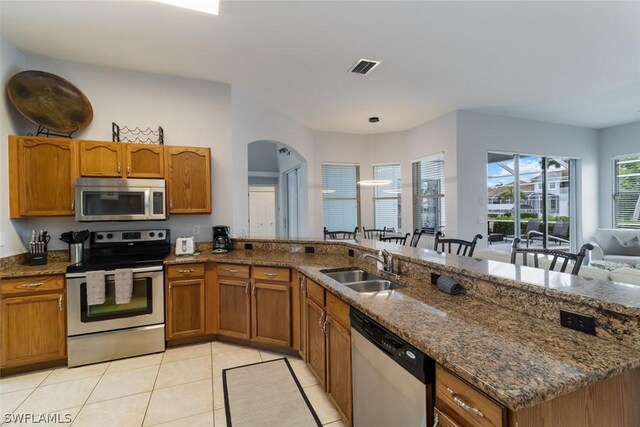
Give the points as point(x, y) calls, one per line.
point(385, 258)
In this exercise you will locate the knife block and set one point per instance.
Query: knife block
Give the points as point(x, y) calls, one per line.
point(38, 258)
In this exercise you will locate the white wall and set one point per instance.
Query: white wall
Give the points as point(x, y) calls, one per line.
point(479, 133)
point(191, 112)
point(253, 121)
point(12, 61)
point(613, 141)
point(262, 156)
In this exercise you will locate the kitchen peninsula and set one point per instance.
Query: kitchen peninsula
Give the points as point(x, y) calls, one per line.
point(502, 337)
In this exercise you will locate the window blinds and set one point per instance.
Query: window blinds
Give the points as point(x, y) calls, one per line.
point(340, 196)
point(428, 194)
point(626, 192)
point(386, 198)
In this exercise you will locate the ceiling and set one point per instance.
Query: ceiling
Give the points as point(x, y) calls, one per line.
point(574, 63)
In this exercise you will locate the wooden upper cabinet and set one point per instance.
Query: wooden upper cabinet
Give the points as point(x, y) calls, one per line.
point(101, 159)
point(121, 160)
point(188, 174)
point(144, 161)
point(42, 172)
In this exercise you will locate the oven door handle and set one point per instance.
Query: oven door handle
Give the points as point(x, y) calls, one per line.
point(111, 272)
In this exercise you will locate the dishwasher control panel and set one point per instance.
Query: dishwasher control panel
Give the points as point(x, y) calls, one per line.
point(410, 358)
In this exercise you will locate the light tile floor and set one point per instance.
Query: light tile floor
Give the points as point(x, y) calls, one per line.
point(180, 387)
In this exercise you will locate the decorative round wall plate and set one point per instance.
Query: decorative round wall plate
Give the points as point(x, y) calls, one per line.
point(49, 101)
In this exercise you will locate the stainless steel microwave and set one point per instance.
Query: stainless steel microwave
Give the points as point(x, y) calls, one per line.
point(115, 199)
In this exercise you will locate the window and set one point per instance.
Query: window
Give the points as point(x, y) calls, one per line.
point(340, 196)
point(626, 192)
point(386, 198)
point(428, 194)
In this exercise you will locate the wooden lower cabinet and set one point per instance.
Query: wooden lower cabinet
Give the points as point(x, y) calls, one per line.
point(316, 348)
point(234, 308)
point(339, 367)
point(34, 325)
point(186, 296)
point(328, 346)
point(270, 313)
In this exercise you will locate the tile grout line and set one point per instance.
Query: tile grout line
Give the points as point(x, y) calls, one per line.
point(90, 393)
point(153, 388)
point(29, 395)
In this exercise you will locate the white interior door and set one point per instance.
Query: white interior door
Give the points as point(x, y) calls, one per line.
point(262, 211)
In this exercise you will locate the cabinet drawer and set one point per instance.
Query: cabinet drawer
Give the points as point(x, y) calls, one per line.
point(467, 405)
point(338, 309)
point(185, 270)
point(315, 292)
point(31, 284)
point(234, 270)
point(272, 273)
point(442, 420)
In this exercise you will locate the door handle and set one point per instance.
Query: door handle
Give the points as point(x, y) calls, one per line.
point(31, 285)
point(119, 168)
point(320, 321)
point(254, 289)
point(246, 289)
point(128, 169)
point(60, 303)
point(170, 285)
point(232, 270)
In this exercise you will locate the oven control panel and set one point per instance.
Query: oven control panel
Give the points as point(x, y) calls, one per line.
point(130, 236)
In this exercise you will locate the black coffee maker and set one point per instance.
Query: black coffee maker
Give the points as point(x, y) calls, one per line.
point(221, 239)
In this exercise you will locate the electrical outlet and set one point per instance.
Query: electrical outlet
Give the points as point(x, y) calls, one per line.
point(196, 229)
point(309, 249)
point(578, 322)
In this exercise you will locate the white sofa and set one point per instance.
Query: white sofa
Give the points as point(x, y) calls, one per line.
point(624, 275)
point(616, 245)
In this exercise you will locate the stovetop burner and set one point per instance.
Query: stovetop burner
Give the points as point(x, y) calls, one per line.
point(110, 250)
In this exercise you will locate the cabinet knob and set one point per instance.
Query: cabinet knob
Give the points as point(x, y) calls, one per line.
point(119, 168)
point(232, 270)
point(254, 289)
point(73, 205)
point(246, 289)
point(186, 270)
point(271, 274)
point(170, 285)
point(128, 169)
point(464, 405)
point(60, 303)
point(320, 321)
point(31, 285)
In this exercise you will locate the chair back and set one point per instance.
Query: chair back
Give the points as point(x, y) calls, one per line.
point(415, 238)
point(532, 225)
point(340, 235)
point(464, 247)
point(373, 233)
point(554, 255)
point(399, 240)
point(561, 229)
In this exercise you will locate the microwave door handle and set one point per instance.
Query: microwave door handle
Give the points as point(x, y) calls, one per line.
point(147, 205)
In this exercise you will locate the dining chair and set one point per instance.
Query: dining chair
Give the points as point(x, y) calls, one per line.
point(340, 235)
point(373, 233)
point(465, 247)
point(554, 255)
point(399, 240)
point(415, 238)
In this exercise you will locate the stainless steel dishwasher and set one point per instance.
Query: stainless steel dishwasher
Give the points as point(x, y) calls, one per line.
point(392, 380)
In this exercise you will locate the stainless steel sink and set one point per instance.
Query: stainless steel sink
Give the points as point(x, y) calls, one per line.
point(350, 276)
point(361, 281)
point(373, 286)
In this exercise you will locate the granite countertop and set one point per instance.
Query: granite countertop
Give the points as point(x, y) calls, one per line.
point(516, 359)
point(24, 270)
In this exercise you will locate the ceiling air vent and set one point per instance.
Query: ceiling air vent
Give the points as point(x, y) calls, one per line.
point(364, 66)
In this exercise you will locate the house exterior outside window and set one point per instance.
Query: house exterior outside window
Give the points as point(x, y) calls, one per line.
point(626, 191)
point(429, 194)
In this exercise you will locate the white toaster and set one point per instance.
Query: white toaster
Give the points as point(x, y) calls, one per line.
point(185, 246)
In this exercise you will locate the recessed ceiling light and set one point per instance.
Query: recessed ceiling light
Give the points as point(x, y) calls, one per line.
point(206, 6)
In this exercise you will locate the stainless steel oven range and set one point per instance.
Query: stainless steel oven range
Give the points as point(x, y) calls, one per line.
point(109, 330)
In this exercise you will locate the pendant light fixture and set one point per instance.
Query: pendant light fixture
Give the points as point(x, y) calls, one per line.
point(374, 182)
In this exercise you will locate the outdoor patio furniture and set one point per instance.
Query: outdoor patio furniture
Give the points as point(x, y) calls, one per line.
point(550, 254)
point(373, 233)
point(494, 237)
point(560, 233)
point(399, 240)
point(465, 247)
point(340, 235)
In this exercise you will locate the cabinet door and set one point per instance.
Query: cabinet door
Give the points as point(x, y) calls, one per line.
point(185, 308)
point(233, 308)
point(339, 367)
point(303, 317)
point(188, 179)
point(316, 341)
point(271, 313)
point(144, 161)
point(101, 159)
point(42, 172)
point(33, 329)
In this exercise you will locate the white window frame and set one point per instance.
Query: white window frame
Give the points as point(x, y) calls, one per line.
point(419, 199)
point(397, 197)
point(327, 196)
point(616, 193)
